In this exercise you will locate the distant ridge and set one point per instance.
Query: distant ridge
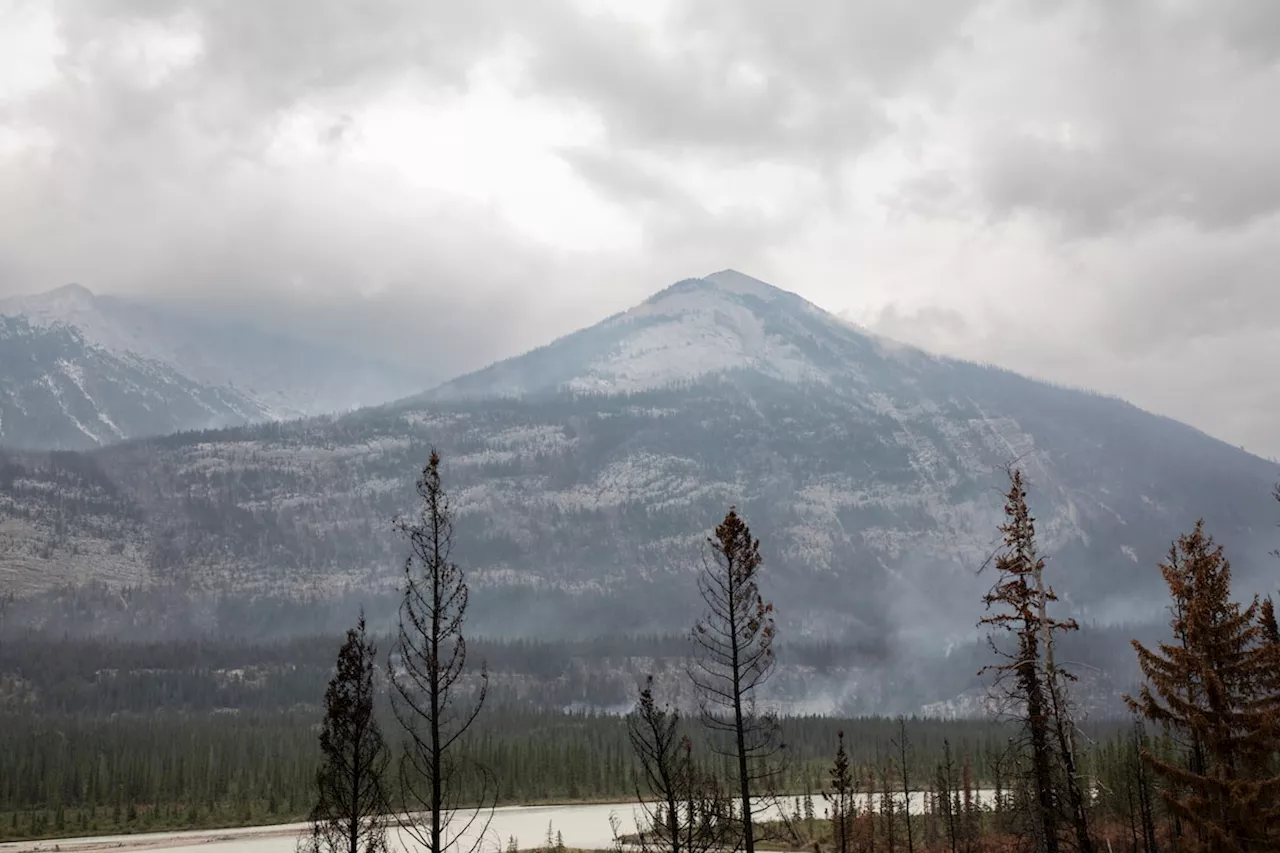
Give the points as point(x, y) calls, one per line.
point(154, 371)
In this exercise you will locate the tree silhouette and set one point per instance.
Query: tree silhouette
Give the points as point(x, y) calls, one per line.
point(683, 807)
point(842, 797)
point(733, 644)
point(350, 813)
point(1018, 604)
point(430, 699)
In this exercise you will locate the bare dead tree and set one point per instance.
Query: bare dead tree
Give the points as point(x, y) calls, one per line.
point(888, 803)
point(946, 786)
point(733, 644)
point(1062, 718)
point(657, 745)
point(431, 700)
point(1140, 784)
point(903, 744)
point(1017, 604)
point(682, 808)
point(999, 763)
point(1275, 493)
point(350, 814)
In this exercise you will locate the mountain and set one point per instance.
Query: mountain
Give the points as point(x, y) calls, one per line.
point(727, 322)
point(586, 475)
point(58, 391)
point(144, 349)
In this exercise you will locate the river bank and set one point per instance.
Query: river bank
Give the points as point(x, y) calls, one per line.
point(584, 826)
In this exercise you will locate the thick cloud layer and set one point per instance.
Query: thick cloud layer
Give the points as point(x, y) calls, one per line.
point(1077, 189)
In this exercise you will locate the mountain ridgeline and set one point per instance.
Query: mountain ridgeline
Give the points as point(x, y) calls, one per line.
point(57, 390)
point(79, 371)
point(586, 475)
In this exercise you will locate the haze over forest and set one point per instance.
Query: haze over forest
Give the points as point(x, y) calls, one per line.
point(881, 381)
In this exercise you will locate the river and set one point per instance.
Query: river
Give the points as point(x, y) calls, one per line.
point(581, 826)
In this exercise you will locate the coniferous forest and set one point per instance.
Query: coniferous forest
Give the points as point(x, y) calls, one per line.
point(424, 721)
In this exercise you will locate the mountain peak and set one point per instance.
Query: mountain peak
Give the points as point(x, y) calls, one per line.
point(73, 290)
point(69, 297)
point(725, 323)
point(58, 305)
point(728, 282)
point(736, 282)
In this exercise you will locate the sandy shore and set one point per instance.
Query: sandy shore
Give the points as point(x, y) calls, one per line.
point(151, 840)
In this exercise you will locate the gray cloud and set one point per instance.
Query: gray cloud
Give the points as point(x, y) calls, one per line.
point(1145, 110)
point(1080, 189)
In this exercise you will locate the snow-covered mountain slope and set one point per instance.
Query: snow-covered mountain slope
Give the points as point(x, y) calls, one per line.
point(283, 378)
point(587, 474)
point(58, 391)
point(694, 329)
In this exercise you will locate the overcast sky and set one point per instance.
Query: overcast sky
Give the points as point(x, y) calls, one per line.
point(1083, 191)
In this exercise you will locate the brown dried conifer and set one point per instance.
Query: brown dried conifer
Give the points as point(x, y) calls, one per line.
point(1210, 686)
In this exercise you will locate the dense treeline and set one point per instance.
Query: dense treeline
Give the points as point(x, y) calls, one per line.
point(71, 675)
point(81, 676)
point(68, 774)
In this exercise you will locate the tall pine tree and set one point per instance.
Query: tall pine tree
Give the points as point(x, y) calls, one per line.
point(431, 700)
point(733, 645)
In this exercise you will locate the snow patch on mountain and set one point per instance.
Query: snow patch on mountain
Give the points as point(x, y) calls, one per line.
point(700, 333)
point(723, 324)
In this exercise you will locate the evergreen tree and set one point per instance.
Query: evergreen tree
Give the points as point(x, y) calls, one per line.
point(1211, 686)
point(841, 798)
point(734, 656)
point(1267, 622)
point(351, 806)
point(431, 702)
point(1270, 641)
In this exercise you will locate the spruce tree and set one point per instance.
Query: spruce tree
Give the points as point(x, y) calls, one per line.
point(841, 798)
point(1269, 651)
point(1210, 685)
point(350, 813)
